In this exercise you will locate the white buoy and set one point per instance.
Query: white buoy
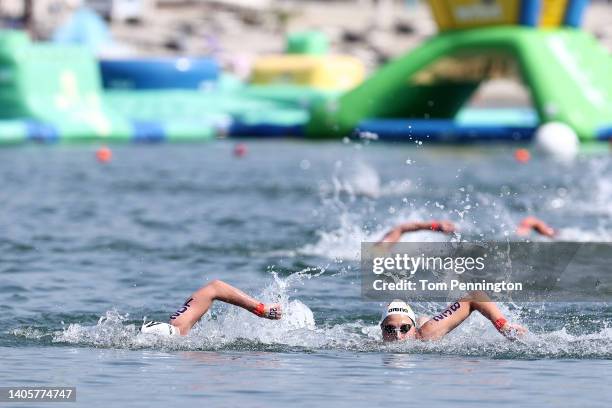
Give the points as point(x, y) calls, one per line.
point(558, 140)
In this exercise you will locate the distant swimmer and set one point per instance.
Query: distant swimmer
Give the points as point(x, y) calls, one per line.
point(395, 234)
point(200, 301)
point(529, 224)
point(399, 322)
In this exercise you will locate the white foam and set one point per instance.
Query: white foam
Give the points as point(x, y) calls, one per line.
point(600, 234)
point(235, 329)
point(344, 242)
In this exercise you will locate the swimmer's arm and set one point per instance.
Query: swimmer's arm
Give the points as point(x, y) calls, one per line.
point(457, 312)
point(219, 290)
point(201, 300)
point(396, 233)
point(224, 292)
point(481, 302)
point(451, 317)
point(534, 224)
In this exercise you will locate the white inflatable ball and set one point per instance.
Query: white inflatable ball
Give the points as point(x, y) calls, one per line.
point(557, 140)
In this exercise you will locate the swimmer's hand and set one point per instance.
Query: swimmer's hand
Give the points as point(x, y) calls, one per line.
point(395, 234)
point(272, 311)
point(533, 224)
point(513, 331)
point(444, 226)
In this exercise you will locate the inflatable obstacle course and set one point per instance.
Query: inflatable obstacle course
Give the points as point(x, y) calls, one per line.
point(159, 73)
point(249, 111)
point(307, 43)
point(51, 93)
point(306, 63)
point(463, 14)
point(323, 72)
point(565, 69)
point(54, 90)
point(54, 93)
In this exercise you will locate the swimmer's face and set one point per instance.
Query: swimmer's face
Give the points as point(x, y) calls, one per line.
point(394, 328)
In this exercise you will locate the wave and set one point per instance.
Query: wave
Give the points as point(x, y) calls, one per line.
point(231, 328)
point(298, 333)
point(357, 178)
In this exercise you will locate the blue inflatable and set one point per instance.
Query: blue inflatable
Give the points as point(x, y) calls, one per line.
point(159, 73)
point(264, 130)
point(442, 130)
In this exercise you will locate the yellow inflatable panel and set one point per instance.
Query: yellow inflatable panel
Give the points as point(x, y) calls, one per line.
point(332, 72)
point(466, 14)
point(441, 14)
point(553, 12)
point(474, 13)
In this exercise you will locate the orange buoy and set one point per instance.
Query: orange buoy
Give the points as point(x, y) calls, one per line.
point(104, 154)
point(240, 150)
point(522, 155)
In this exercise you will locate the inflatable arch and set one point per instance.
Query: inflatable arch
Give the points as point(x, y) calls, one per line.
point(565, 69)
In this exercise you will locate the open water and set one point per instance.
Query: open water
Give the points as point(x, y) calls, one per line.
point(88, 250)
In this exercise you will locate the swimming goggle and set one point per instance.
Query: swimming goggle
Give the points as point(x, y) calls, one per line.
point(390, 329)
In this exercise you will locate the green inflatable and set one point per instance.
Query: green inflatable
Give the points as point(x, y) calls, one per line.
point(46, 83)
point(568, 74)
point(53, 93)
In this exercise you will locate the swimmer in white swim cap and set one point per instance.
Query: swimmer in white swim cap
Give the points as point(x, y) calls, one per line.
point(399, 322)
point(200, 301)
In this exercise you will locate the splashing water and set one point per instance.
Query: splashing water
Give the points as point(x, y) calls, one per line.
point(132, 237)
point(231, 328)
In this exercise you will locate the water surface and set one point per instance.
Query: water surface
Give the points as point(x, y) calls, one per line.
point(89, 250)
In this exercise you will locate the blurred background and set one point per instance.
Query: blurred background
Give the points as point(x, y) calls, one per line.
point(319, 49)
point(95, 240)
point(373, 30)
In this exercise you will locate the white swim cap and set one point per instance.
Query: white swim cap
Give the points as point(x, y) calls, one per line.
point(158, 328)
point(398, 307)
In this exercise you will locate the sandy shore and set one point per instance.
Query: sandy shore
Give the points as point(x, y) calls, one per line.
point(238, 35)
point(354, 27)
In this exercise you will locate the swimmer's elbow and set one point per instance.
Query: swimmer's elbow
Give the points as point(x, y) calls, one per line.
point(421, 320)
point(476, 297)
point(429, 333)
point(479, 295)
point(215, 287)
point(472, 300)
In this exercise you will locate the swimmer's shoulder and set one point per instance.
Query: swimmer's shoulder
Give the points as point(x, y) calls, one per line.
point(421, 320)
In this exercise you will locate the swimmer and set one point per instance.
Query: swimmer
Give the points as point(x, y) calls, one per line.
point(529, 224)
point(399, 322)
point(396, 233)
point(200, 301)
